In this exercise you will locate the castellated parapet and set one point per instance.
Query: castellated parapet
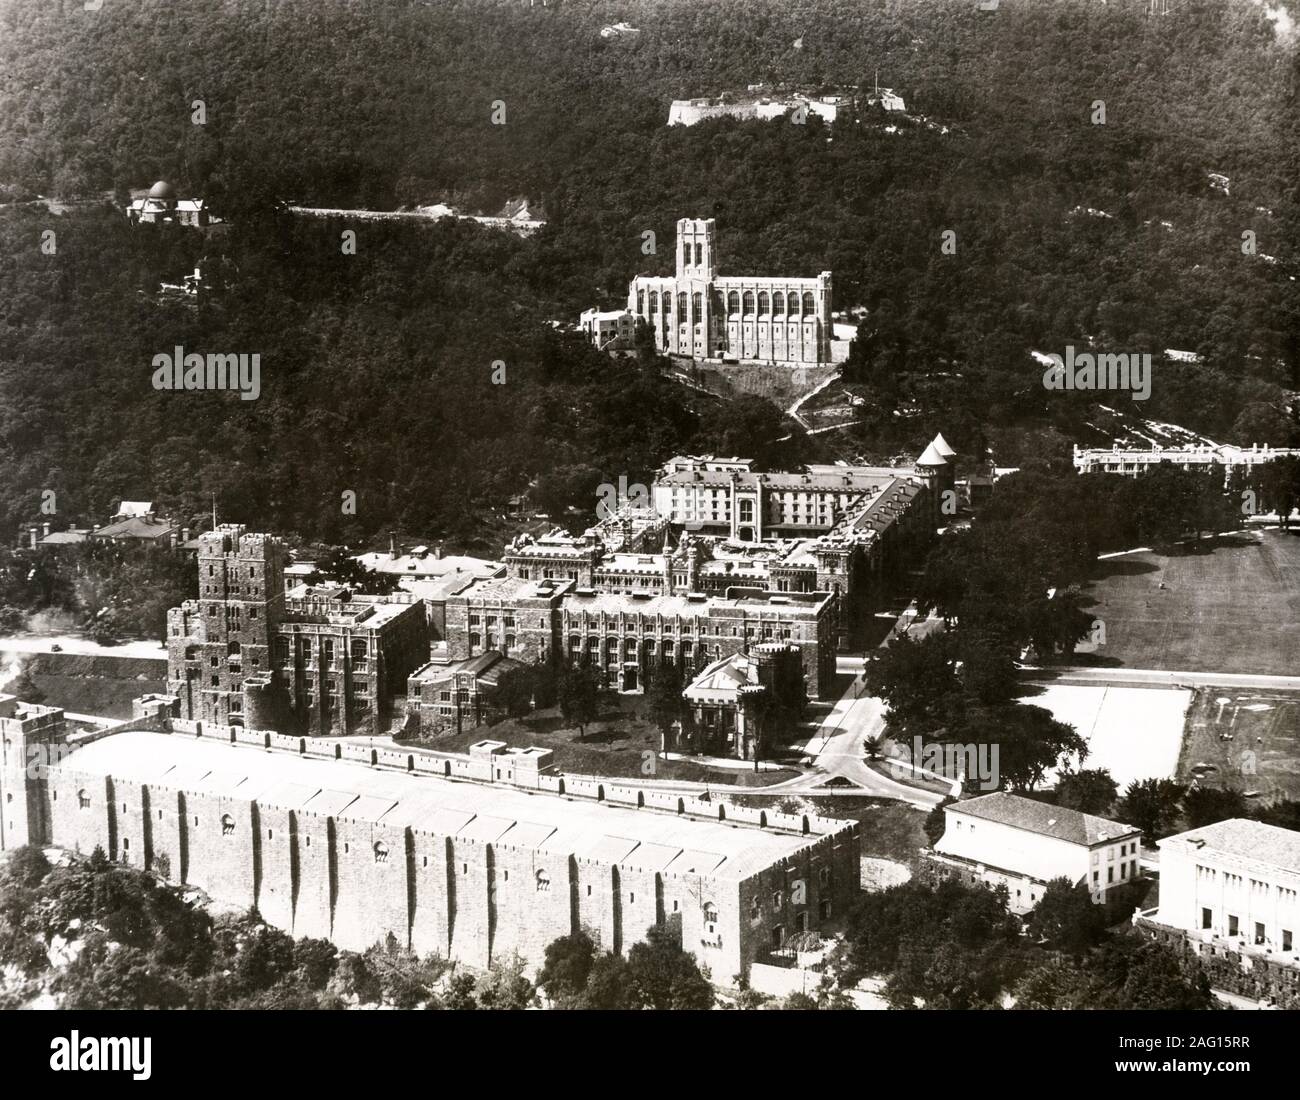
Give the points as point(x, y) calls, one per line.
point(319, 659)
point(472, 856)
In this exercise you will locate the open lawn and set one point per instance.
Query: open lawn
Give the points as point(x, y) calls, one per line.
point(619, 743)
point(1229, 604)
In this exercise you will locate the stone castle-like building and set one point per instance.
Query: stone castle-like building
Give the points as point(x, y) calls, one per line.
point(727, 558)
point(316, 659)
point(471, 856)
point(703, 315)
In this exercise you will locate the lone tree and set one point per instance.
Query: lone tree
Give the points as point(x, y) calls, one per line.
point(1152, 805)
point(1089, 790)
point(579, 698)
point(665, 698)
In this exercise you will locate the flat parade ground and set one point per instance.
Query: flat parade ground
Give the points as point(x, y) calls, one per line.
point(1230, 604)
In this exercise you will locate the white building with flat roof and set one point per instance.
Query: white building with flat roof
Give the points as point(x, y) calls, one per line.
point(1236, 881)
point(1132, 461)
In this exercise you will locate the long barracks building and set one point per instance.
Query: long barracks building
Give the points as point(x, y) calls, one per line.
point(472, 857)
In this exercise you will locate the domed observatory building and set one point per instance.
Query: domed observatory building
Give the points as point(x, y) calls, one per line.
point(160, 206)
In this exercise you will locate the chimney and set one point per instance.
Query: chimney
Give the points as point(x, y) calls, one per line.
point(392, 546)
point(437, 552)
point(33, 537)
point(185, 534)
point(45, 530)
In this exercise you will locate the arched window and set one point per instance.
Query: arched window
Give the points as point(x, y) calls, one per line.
point(640, 302)
point(681, 306)
point(654, 301)
point(697, 303)
point(83, 799)
point(510, 642)
point(227, 824)
point(232, 648)
point(381, 852)
point(764, 303)
point(809, 308)
point(475, 641)
point(733, 302)
point(748, 303)
point(710, 917)
point(543, 881)
point(793, 303)
point(778, 302)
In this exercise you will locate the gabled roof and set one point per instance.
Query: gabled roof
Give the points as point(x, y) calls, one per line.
point(724, 675)
point(137, 527)
point(1043, 818)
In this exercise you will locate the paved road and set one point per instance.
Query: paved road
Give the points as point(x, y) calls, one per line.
point(1146, 677)
point(45, 643)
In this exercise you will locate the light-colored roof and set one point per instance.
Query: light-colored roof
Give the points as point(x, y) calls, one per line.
point(724, 675)
point(1247, 839)
point(134, 508)
point(941, 445)
point(1043, 818)
point(137, 527)
point(427, 565)
point(931, 457)
point(487, 812)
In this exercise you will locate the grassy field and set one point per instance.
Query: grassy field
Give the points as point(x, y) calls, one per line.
point(619, 743)
point(890, 829)
point(1251, 740)
point(1230, 604)
point(780, 385)
point(102, 686)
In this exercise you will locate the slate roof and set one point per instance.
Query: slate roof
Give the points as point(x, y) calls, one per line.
point(1044, 818)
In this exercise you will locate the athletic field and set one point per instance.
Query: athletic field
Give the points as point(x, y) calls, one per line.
point(1229, 604)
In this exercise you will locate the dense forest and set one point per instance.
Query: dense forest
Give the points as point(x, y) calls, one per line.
point(377, 368)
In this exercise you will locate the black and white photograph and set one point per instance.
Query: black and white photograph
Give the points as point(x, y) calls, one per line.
point(680, 506)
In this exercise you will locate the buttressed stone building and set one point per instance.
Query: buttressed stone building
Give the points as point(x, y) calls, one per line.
point(701, 314)
point(472, 857)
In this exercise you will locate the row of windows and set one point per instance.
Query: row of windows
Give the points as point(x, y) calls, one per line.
point(1125, 871)
point(737, 303)
point(1234, 929)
